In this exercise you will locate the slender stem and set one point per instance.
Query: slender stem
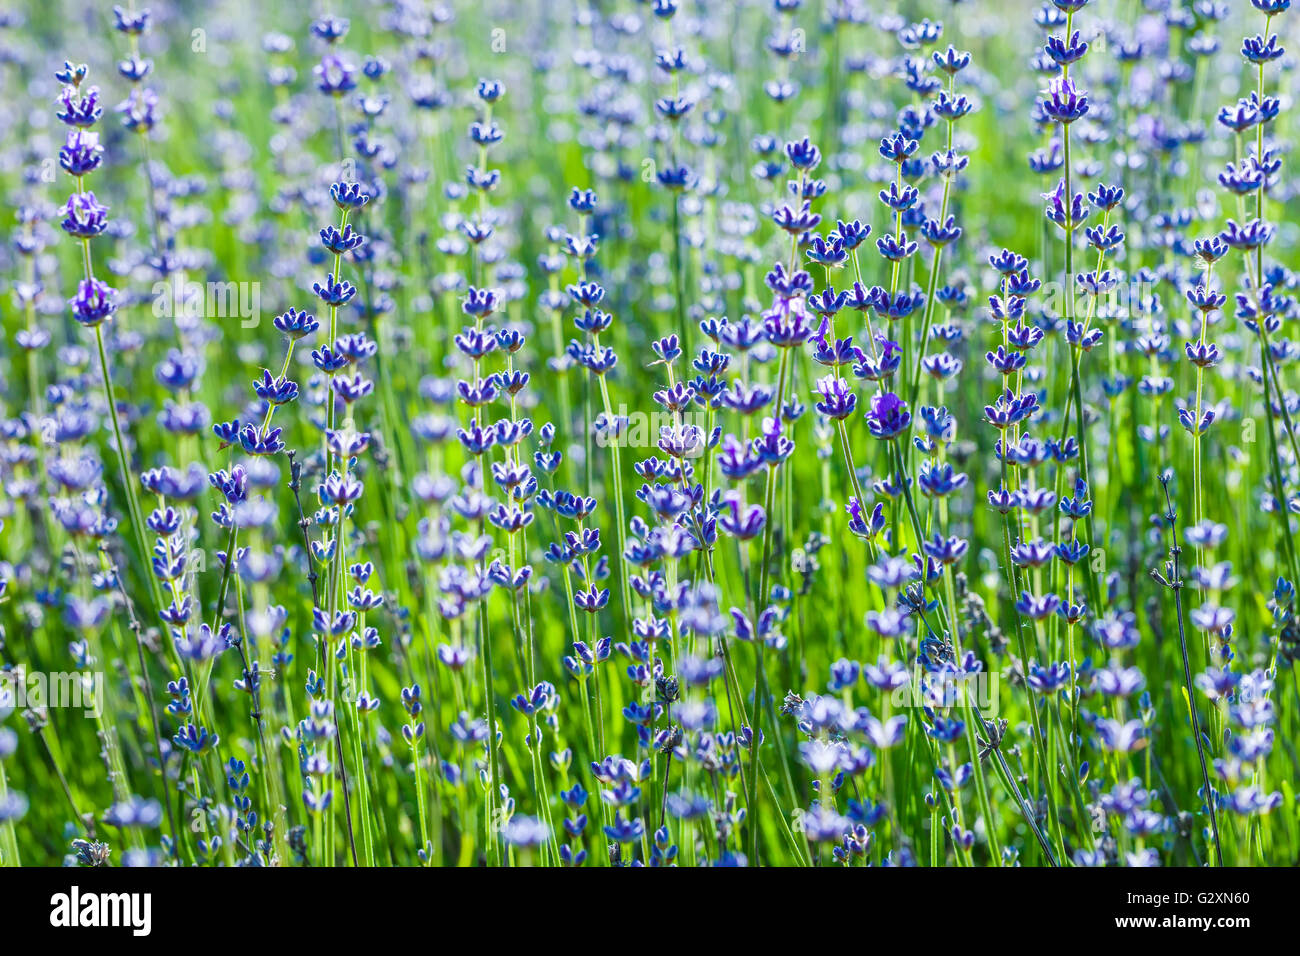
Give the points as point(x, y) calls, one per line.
point(1176, 585)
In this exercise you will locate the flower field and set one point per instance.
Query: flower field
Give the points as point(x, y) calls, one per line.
point(649, 433)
